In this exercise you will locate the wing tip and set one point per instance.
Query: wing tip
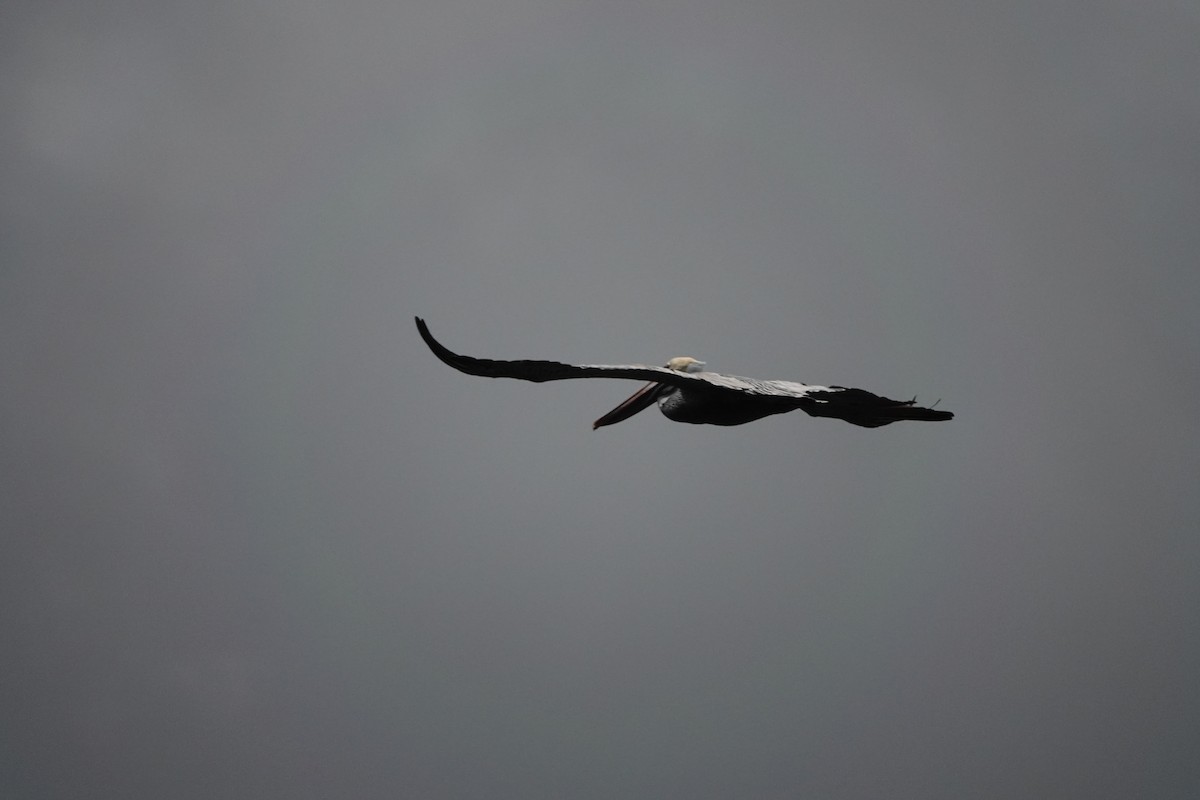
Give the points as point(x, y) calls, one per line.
point(443, 353)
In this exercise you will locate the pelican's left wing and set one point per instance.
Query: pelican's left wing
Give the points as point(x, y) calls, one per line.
point(541, 371)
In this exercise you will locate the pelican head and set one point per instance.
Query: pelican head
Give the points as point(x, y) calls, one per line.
point(648, 394)
point(685, 364)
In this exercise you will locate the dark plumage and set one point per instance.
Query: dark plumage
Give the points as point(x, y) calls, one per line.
point(686, 394)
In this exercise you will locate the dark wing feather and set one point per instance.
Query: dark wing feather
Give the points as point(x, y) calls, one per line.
point(542, 371)
point(860, 407)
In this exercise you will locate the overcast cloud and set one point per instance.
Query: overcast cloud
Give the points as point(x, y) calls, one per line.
point(259, 543)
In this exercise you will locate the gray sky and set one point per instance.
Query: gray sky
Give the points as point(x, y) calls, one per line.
point(259, 543)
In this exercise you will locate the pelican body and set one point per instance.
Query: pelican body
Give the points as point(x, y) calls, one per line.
point(686, 393)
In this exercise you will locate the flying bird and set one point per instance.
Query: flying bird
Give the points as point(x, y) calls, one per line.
point(686, 393)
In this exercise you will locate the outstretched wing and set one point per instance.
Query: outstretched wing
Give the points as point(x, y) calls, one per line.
point(541, 371)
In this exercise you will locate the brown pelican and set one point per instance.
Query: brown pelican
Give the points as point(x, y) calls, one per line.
point(685, 393)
